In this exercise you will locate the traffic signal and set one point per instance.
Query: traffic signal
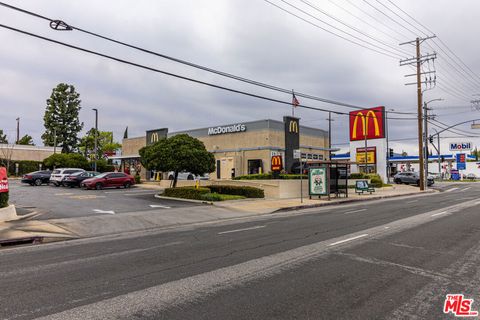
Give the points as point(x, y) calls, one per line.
point(430, 139)
point(390, 152)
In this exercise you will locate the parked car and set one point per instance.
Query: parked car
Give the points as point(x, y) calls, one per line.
point(411, 178)
point(188, 176)
point(75, 179)
point(109, 180)
point(471, 176)
point(59, 174)
point(37, 178)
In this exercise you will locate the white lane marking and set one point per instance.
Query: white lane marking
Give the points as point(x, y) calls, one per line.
point(452, 189)
point(466, 188)
point(437, 214)
point(244, 229)
point(353, 211)
point(104, 211)
point(477, 203)
point(64, 194)
point(349, 239)
point(141, 193)
point(133, 191)
point(412, 201)
point(159, 206)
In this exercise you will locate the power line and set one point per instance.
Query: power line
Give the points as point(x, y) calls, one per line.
point(173, 74)
point(384, 52)
point(386, 15)
point(190, 64)
point(352, 27)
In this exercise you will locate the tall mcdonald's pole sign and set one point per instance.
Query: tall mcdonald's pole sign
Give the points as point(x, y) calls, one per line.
point(367, 123)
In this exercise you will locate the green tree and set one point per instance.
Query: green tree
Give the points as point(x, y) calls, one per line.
point(64, 160)
point(26, 140)
point(105, 143)
point(178, 153)
point(61, 118)
point(3, 137)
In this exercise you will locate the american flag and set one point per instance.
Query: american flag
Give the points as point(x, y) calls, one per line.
point(295, 102)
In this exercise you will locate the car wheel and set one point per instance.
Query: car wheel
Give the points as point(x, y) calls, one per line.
point(127, 185)
point(99, 186)
point(418, 182)
point(398, 181)
point(170, 177)
point(56, 184)
point(37, 182)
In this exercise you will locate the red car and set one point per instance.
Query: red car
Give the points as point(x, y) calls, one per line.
point(109, 180)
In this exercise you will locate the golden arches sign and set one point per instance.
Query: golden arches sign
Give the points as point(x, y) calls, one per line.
point(293, 126)
point(154, 137)
point(365, 122)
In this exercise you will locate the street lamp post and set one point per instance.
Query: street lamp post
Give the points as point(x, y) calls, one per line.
point(96, 137)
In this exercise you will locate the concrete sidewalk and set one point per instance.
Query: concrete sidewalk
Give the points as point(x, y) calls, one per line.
point(93, 226)
point(275, 205)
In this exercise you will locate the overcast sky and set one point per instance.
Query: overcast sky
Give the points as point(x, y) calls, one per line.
point(252, 39)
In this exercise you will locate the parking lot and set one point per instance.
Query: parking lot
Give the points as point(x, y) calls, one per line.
point(61, 202)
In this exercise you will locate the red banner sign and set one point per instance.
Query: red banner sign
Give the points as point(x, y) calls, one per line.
point(3, 180)
point(367, 122)
point(277, 163)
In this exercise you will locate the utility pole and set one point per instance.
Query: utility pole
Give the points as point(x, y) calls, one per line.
point(385, 116)
point(54, 140)
point(18, 130)
point(96, 137)
point(426, 117)
point(329, 136)
point(418, 60)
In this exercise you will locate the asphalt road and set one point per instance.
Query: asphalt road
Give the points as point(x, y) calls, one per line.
point(60, 202)
point(389, 259)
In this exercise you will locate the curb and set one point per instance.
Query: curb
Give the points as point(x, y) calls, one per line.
point(307, 206)
point(182, 199)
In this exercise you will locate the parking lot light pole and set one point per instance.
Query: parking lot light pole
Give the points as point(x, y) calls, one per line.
point(96, 137)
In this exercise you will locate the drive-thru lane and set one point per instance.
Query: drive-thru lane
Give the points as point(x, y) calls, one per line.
point(60, 202)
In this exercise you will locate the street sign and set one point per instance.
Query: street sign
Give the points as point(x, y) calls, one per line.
point(317, 181)
point(296, 154)
point(461, 161)
point(3, 180)
point(475, 125)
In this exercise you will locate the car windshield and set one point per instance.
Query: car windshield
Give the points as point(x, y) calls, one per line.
point(102, 175)
point(55, 171)
point(76, 173)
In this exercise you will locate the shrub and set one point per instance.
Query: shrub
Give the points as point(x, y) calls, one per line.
point(24, 166)
point(137, 179)
point(375, 180)
point(66, 160)
point(357, 176)
point(247, 192)
point(3, 199)
point(220, 197)
point(269, 176)
point(102, 166)
point(186, 192)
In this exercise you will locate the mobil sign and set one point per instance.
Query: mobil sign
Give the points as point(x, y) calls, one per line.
point(367, 124)
point(460, 146)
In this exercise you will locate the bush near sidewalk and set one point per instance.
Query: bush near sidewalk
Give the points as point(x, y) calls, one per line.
point(269, 176)
point(186, 192)
point(214, 193)
point(247, 192)
point(3, 199)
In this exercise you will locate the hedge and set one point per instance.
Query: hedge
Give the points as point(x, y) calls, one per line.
point(186, 192)
point(247, 192)
point(269, 176)
point(3, 199)
point(220, 197)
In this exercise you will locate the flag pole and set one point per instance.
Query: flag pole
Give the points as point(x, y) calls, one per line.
point(293, 105)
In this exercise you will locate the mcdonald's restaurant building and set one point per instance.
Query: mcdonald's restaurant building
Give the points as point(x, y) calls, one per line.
point(241, 148)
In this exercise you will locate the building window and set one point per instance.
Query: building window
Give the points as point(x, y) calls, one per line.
point(255, 166)
point(315, 157)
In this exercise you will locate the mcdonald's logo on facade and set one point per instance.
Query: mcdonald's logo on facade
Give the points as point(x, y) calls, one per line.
point(293, 126)
point(277, 163)
point(154, 137)
point(369, 123)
